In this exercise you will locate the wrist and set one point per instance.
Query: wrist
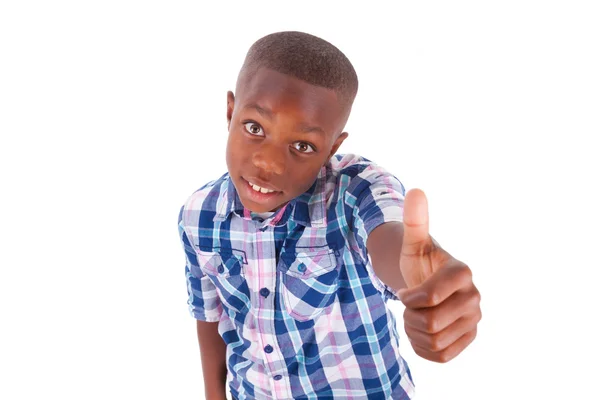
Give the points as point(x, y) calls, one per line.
point(215, 394)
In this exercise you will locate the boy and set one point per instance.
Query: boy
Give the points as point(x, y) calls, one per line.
point(292, 255)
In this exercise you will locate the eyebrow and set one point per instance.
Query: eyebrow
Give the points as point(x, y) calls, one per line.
point(262, 111)
point(307, 129)
point(269, 115)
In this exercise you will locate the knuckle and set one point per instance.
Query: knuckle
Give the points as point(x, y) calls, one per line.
point(433, 298)
point(477, 295)
point(431, 323)
point(474, 298)
point(436, 343)
point(445, 356)
point(465, 272)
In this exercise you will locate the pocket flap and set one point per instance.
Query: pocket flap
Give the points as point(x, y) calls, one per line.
point(309, 263)
point(220, 263)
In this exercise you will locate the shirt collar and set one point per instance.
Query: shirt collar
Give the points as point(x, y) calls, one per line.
point(228, 201)
point(308, 209)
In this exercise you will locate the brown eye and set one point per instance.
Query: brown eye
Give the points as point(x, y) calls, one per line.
point(303, 147)
point(253, 128)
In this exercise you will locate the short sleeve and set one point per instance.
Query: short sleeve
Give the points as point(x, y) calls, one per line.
point(379, 199)
point(203, 301)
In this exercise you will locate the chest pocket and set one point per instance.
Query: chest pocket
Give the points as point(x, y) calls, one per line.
point(310, 281)
point(225, 270)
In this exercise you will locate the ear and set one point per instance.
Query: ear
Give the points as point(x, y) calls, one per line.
point(230, 102)
point(338, 142)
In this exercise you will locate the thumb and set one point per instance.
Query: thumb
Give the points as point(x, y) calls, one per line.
point(416, 221)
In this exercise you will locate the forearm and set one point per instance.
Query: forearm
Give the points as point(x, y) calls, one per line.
point(384, 246)
point(213, 356)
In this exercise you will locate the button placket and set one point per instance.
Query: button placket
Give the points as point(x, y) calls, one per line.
point(280, 387)
point(274, 358)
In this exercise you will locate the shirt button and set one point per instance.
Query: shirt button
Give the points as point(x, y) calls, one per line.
point(301, 267)
point(220, 269)
point(268, 348)
point(264, 292)
point(277, 377)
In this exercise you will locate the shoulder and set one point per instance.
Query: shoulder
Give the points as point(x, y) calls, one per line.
point(353, 173)
point(348, 164)
point(204, 199)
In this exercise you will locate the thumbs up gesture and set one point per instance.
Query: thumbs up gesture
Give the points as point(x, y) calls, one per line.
point(442, 303)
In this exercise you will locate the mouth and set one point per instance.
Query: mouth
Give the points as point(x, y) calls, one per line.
point(260, 189)
point(259, 194)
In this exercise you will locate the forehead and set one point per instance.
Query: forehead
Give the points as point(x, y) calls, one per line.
point(284, 94)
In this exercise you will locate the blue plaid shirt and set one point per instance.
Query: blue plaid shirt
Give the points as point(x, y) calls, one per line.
point(299, 307)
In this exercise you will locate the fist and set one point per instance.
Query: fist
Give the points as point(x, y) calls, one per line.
point(442, 313)
point(442, 303)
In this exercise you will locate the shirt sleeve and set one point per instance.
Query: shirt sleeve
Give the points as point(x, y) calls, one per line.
point(379, 199)
point(203, 301)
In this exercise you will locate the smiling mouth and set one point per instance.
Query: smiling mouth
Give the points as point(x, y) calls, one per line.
point(260, 189)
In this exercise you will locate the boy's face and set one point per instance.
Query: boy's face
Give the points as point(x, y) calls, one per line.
point(281, 132)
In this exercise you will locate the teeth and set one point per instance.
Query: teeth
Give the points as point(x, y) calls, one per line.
point(260, 189)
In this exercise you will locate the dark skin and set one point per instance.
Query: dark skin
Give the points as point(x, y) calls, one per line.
point(281, 132)
point(442, 302)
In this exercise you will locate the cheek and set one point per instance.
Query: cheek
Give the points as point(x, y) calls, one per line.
point(236, 141)
point(232, 152)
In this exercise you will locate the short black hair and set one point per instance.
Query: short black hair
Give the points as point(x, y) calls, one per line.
point(305, 57)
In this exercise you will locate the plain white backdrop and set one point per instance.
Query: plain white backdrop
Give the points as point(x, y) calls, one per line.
point(113, 112)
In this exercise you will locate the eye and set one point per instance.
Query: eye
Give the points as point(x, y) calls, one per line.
point(253, 128)
point(304, 147)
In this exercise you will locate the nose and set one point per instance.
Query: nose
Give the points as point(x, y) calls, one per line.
point(270, 159)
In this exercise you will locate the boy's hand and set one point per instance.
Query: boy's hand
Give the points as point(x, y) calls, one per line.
point(442, 303)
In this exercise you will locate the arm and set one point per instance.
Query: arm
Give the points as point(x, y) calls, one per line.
point(205, 306)
point(442, 303)
point(384, 245)
point(214, 364)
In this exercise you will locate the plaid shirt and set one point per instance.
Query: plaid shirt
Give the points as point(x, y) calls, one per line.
point(299, 307)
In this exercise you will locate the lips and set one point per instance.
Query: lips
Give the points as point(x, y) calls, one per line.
point(259, 193)
point(260, 186)
point(260, 189)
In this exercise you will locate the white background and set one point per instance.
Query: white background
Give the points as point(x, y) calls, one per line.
point(113, 112)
